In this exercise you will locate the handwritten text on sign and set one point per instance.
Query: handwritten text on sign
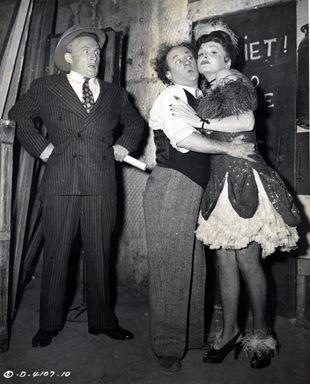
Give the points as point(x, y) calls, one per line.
point(257, 50)
point(263, 50)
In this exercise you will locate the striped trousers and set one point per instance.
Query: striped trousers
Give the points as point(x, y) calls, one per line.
point(61, 218)
point(176, 262)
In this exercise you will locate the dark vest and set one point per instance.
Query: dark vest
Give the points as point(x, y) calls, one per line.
point(194, 165)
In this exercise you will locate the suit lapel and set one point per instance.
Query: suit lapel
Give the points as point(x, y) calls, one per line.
point(105, 99)
point(62, 89)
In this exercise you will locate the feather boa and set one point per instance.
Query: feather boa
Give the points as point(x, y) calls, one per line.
point(231, 98)
point(258, 344)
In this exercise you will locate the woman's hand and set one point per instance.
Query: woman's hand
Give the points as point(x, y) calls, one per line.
point(185, 112)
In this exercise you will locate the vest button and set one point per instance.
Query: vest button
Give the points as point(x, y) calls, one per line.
point(79, 134)
point(74, 155)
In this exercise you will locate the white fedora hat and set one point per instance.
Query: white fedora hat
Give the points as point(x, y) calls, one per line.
point(67, 37)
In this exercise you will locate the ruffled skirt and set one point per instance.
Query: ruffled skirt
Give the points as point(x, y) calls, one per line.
point(226, 229)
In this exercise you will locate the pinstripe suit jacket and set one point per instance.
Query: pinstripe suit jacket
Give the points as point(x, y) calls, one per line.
point(82, 161)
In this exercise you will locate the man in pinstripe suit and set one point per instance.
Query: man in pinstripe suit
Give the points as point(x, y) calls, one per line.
point(80, 113)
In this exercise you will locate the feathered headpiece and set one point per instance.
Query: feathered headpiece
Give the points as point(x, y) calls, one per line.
point(215, 25)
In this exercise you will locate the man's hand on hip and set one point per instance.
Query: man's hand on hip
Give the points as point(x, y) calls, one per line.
point(120, 152)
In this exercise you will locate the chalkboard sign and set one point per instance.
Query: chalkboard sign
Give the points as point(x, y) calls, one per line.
point(267, 55)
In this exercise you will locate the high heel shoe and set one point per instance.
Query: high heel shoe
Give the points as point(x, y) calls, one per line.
point(260, 348)
point(213, 355)
point(261, 360)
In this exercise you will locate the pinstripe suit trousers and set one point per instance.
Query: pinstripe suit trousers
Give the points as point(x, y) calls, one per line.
point(176, 262)
point(61, 217)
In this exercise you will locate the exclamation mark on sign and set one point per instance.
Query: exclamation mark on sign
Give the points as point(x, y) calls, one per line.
point(285, 44)
point(246, 56)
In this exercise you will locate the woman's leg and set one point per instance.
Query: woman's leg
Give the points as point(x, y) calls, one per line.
point(259, 345)
point(252, 272)
point(229, 289)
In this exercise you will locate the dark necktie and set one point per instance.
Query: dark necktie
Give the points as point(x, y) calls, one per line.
point(88, 97)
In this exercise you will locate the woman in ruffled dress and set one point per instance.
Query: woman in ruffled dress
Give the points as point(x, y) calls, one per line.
point(246, 210)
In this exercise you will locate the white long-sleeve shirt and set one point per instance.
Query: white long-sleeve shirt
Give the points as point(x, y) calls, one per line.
point(161, 116)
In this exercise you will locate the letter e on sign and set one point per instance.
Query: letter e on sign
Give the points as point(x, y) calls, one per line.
point(268, 100)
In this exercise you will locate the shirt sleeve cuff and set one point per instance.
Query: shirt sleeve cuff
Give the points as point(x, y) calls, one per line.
point(47, 152)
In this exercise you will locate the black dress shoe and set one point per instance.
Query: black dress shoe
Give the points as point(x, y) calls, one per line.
point(43, 338)
point(170, 363)
point(117, 333)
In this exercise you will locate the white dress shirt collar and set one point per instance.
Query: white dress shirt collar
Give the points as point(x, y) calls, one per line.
point(76, 80)
point(77, 77)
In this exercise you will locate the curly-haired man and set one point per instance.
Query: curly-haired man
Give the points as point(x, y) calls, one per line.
point(171, 203)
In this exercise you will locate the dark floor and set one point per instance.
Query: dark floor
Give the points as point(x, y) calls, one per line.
point(92, 359)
